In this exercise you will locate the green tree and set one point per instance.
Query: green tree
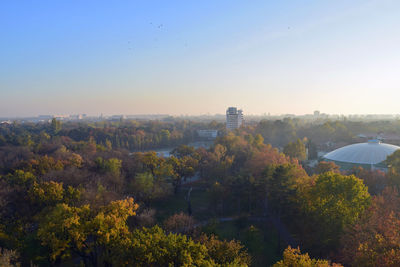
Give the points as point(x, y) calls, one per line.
point(284, 184)
point(55, 125)
point(112, 165)
point(393, 162)
point(296, 149)
point(333, 203)
point(165, 136)
point(312, 150)
point(147, 188)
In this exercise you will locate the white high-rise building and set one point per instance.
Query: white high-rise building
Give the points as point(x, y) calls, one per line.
point(234, 118)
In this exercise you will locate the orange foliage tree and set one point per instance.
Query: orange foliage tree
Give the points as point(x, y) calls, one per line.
point(375, 239)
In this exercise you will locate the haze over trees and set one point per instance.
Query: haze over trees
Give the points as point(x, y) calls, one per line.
point(87, 194)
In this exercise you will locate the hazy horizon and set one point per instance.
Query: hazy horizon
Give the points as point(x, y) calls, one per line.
point(177, 58)
point(138, 115)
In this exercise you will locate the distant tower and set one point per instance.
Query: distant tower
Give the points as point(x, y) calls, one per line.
point(316, 113)
point(234, 118)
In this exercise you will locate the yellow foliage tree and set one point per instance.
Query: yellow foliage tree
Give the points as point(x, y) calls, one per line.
point(292, 257)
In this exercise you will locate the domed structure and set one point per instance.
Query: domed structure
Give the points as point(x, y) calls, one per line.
point(367, 155)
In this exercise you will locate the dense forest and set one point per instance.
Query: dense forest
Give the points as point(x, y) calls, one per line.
point(92, 194)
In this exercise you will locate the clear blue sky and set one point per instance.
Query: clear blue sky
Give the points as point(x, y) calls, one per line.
point(198, 57)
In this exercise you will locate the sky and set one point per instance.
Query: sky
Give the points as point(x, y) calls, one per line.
point(199, 57)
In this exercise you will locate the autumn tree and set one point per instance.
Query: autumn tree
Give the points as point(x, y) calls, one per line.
point(375, 239)
point(9, 258)
point(98, 237)
point(184, 167)
point(153, 247)
point(226, 253)
point(292, 257)
point(376, 180)
point(326, 166)
point(180, 223)
point(47, 194)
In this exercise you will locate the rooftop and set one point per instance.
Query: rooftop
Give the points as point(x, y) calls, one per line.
point(372, 152)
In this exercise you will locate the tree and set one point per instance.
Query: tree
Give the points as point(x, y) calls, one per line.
point(393, 162)
point(376, 180)
point(326, 166)
point(292, 257)
point(143, 185)
point(180, 223)
point(375, 239)
point(226, 253)
point(153, 247)
point(283, 184)
point(165, 135)
point(149, 160)
point(147, 188)
point(183, 150)
point(312, 150)
point(112, 165)
point(46, 193)
point(76, 160)
point(108, 144)
point(63, 231)
point(333, 203)
point(8, 258)
point(183, 167)
point(296, 149)
point(20, 178)
point(258, 140)
point(55, 125)
point(97, 237)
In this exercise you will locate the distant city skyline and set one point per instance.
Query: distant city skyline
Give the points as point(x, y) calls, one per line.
point(196, 58)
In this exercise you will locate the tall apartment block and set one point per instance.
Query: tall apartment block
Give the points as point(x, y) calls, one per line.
point(234, 118)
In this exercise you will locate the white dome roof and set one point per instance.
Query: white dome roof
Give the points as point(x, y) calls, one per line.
point(372, 152)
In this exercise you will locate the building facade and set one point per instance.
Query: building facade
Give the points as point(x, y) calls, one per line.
point(207, 134)
point(234, 118)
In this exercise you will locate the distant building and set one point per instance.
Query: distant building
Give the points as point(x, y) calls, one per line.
point(61, 116)
point(207, 134)
point(234, 118)
point(77, 116)
point(317, 113)
point(45, 117)
point(370, 155)
point(117, 117)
